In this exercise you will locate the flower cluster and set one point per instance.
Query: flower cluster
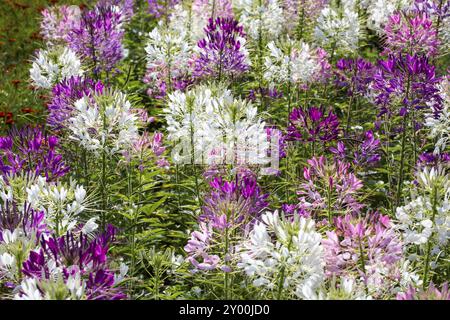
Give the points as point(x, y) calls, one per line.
point(30, 151)
point(328, 189)
point(126, 7)
point(51, 67)
point(71, 267)
point(284, 149)
point(168, 62)
point(408, 82)
point(368, 248)
point(98, 37)
point(233, 202)
point(355, 75)
point(61, 204)
point(262, 20)
point(222, 53)
point(380, 11)
point(425, 220)
point(432, 293)
point(215, 127)
point(296, 63)
point(314, 125)
point(410, 35)
point(58, 21)
point(20, 229)
point(203, 248)
point(338, 30)
point(64, 95)
point(44, 249)
point(283, 256)
point(104, 123)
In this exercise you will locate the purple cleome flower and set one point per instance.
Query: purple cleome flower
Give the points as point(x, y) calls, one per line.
point(359, 245)
point(429, 159)
point(230, 203)
point(198, 248)
point(98, 38)
point(65, 94)
point(28, 220)
point(30, 150)
point(328, 188)
point(413, 35)
point(312, 125)
point(126, 7)
point(406, 82)
point(355, 75)
point(77, 253)
point(157, 8)
point(365, 151)
point(432, 293)
point(221, 52)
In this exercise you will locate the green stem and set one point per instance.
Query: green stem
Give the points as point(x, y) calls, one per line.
point(301, 24)
point(439, 19)
point(177, 181)
point(85, 168)
point(414, 140)
point(213, 9)
point(388, 160)
point(103, 182)
point(329, 204)
point(226, 273)
point(362, 259)
point(134, 221)
point(260, 57)
point(287, 122)
point(197, 188)
point(282, 274)
point(103, 186)
point(350, 104)
point(402, 156)
point(429, 243)
point(402, 163)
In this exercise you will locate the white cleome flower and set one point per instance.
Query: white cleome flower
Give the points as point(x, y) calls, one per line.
point(426, 217)
point(187, 23)
point(413, 221)
point(379, 11)
point(57, 287)
point(8, 266)
point(279, 247)
point(29, 290)
point(75, 285)
point(168, 49)
point(439, 124)
point(343, 288)
point(294, 63)
point(338, 29)
point(214, 126)
point(61, 203)
point(104, 123)
point(51, 67)
point(445, 32)
point(261, 19)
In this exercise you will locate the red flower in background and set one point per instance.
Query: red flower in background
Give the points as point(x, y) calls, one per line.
point(7, 117)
